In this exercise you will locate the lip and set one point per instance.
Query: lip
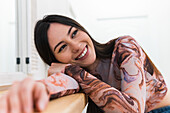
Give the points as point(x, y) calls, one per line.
point(85, 56)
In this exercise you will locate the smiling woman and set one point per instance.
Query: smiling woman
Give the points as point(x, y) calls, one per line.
point(72, 45)
point(117, 76)
point(69, 33)
point(105, 72)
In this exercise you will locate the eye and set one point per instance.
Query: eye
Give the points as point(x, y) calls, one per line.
point(74, 33)
point(62, 47)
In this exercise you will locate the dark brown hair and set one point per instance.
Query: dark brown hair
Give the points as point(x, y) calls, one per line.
point(42, 44)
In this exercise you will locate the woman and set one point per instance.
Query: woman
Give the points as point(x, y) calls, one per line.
point(117, 76)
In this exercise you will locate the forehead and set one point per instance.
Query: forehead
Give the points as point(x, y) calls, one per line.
point(57, 29)
point(56, 33)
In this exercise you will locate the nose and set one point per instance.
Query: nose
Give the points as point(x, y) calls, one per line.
point(75, 47)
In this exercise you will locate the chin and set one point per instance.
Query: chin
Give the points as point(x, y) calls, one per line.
point(90, 62)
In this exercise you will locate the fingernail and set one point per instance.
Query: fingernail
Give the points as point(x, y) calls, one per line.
point(68, 64)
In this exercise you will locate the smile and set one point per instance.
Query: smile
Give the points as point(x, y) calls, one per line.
point(83, 54)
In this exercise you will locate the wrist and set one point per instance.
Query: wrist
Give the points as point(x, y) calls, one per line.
point(75, 72)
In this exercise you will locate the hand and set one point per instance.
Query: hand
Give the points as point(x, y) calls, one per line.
point(56, 67)
point(23, 96)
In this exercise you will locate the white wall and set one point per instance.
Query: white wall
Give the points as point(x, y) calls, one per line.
point(45, 7)
point(7, 39)
point(159, 30)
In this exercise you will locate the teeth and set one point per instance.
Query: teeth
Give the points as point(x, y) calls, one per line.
point(84, 52)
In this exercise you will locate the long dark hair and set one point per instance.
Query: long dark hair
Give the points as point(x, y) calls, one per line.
point(42, 44)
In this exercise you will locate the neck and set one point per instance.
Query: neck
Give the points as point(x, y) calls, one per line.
point(100, 68)
point(93, 66)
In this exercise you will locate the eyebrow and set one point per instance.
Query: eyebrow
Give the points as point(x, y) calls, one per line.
point(63, 41)
point(69, 30)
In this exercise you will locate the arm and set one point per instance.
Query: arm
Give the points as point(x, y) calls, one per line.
point(132, 96)
point(59, 84)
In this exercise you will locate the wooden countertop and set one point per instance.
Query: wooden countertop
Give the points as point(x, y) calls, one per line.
point(74, 103)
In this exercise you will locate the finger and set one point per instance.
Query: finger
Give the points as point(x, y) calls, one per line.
point(53, 64)
point(49, 72)
point(41, 96)
point(26, 92)
point(3, 104)
point(13, 99)
point(48, 75)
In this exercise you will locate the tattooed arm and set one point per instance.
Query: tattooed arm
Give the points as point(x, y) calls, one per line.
point(130, 58)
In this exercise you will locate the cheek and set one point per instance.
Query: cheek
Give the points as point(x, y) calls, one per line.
point(88, 39)
point(93, 58)
point(64, 58)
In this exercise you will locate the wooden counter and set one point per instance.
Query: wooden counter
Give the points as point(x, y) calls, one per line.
point(74, 103)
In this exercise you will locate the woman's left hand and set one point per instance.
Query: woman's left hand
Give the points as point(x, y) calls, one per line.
point(56, 67)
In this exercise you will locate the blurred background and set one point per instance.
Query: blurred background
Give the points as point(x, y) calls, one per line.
point(148, 21)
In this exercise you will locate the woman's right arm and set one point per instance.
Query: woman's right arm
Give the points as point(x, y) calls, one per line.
point(28, 94)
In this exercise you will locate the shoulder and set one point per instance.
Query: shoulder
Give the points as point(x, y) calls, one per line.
point(126, 39)
point(127, 43)
point(126, 47)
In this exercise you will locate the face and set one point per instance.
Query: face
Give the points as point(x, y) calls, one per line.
point(71, 45)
